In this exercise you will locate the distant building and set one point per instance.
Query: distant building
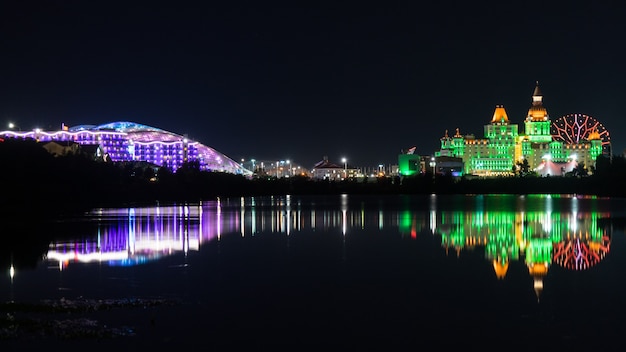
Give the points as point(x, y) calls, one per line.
point(65, 147)
point(410, 163)
point(326, 170)
point(448, 165)
point(61, 148)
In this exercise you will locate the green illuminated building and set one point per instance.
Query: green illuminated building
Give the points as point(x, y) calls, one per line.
point(503, 150)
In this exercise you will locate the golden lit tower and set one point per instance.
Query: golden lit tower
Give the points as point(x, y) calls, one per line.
point(537, 123)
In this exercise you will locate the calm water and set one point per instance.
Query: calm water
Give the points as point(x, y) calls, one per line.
point(346, 271)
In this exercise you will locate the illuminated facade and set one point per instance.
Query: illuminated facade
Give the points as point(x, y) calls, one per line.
point(540, 237)
point(326, 170)
point(129, 141)
point(503, 148)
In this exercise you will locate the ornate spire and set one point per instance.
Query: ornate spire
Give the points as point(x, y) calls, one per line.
point(537, 91)
point(537, 111)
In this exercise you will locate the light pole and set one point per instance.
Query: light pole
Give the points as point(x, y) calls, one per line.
point(13, 126)
point(345, 167)
point(432, 166)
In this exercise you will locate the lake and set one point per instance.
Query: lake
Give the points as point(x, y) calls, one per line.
point(309, 272)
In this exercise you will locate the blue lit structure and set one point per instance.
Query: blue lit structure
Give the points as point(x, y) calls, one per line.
point(129, 141)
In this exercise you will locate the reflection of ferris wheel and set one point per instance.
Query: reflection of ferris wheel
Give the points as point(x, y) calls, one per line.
point(581, 254)
point(575, 128)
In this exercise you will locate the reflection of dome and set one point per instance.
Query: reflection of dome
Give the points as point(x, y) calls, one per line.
point(538, 271)
point(500, 268)
point(579, 254)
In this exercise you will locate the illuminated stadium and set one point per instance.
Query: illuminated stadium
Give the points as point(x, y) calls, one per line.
point(129, 141)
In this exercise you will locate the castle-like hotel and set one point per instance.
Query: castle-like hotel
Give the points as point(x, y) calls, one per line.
point(503, 149)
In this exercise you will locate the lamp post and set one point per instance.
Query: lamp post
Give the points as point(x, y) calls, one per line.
point(432, 166)
point(345, 167)
point(13, 126)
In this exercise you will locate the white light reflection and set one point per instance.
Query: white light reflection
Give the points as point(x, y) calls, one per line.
point(433, 213)
point(12, 275)
point(344, 214)
point(253, 215)
point(573, 222)
point(288, 217)
point(299, 217)
point(242, 216)
point(547, 223)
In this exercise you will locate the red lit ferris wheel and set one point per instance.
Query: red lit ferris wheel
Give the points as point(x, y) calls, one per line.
point(574, 128)
point(579, 253)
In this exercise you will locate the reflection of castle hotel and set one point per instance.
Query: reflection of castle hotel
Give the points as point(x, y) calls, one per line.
point(540, 238)
point(502, 148)
point(127, 141)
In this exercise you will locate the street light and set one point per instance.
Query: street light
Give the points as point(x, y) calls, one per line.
point(432, 165)
point(13, 126)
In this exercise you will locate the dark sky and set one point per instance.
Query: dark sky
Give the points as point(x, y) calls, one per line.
point(300, 80)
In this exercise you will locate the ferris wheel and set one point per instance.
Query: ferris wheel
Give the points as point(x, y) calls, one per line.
point(574, 128)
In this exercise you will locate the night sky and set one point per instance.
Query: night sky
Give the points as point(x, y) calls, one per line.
point(302, 80)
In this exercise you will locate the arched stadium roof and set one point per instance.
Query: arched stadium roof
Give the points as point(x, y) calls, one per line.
point(140, 133)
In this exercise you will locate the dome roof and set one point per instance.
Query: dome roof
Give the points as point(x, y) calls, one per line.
point(140, 133)
point(499, 115)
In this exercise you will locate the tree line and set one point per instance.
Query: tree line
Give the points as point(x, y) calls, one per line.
point(36, 181)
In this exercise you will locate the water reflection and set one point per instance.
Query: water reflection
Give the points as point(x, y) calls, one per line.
point(539, 230)
point(539, 237)
point(386, 266)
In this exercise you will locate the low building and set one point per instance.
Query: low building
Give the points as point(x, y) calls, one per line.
point(61, 148)
point(326, 170)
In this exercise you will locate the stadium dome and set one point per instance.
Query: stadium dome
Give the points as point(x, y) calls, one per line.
point(130, 141)
point(166, 148)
